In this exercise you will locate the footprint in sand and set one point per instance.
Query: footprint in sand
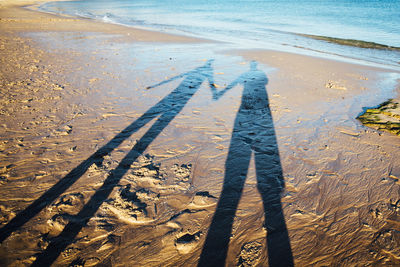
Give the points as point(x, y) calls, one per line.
point(146, 167)
point(5, 214)
point(250, 254)
point(187, 242)
point(203, 199)
point(66, 205)
point(134, 205)
point(182, 173)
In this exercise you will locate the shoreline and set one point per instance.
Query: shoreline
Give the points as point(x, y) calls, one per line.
point(153, 35)
point(311, 50)
point(48, 22)
point(70, 88)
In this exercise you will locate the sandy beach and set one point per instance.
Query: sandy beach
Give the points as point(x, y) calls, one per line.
point(126, 147)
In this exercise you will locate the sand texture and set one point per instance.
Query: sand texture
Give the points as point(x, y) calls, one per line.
point(123, 147)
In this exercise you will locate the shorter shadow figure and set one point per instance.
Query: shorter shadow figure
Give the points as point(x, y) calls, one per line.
point(253, 132)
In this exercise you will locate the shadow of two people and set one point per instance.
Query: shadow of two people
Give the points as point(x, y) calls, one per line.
point(253, 131)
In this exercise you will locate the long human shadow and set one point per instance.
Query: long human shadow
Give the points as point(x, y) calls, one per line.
point(166, 110)
point(253, 132)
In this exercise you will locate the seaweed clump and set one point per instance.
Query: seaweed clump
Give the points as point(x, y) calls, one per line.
point(385, 117)
point(352, 42)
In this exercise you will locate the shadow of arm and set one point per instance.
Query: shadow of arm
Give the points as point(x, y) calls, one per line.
point(211, 83)
point(218, 95)
point(166, 81)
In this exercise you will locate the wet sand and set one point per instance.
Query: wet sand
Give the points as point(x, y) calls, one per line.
point(115, 149)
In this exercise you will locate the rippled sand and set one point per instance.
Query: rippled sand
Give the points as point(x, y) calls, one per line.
point(114, 150)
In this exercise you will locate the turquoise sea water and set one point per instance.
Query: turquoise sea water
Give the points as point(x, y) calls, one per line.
point(260, 24)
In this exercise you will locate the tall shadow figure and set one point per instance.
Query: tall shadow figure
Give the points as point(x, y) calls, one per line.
point(166, 110)
point(253, 132)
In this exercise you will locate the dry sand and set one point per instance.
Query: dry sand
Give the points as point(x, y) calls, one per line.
point(70, 86)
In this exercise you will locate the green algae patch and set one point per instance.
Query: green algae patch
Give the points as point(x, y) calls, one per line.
point(385, 117)
point(351, 42)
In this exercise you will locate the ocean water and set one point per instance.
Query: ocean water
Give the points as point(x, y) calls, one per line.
point(261, 24)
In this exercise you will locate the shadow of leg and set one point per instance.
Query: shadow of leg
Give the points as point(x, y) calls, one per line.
point(72, 229)
point(67, 181)
point(270, 184)
point(217, 242)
